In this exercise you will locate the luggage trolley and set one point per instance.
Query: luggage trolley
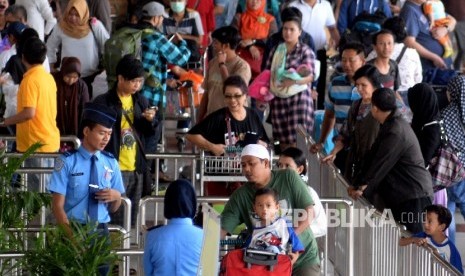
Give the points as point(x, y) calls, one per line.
point(187, 95)
point(225, 168)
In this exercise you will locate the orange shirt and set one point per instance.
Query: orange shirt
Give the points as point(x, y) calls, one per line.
point(38, 90)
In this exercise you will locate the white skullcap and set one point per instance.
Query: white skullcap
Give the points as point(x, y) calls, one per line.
point(256, 150)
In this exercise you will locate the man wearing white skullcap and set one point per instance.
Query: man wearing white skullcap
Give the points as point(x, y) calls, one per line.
point(294, 201)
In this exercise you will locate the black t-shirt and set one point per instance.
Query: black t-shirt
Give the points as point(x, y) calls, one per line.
point(214, 127)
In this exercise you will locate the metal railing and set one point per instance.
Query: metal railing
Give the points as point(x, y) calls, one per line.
point(353, 250)
point(8, 139)
point(377, 241)
point(141, 225)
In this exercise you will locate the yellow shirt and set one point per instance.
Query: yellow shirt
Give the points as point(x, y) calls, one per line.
point(38, 90)
point(128, 148)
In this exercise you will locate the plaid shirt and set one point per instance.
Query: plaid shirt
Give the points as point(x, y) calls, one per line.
point(301, 54)
point(157, 51)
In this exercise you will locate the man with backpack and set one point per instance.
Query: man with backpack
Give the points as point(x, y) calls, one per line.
point(350, 9)
point(155, 51)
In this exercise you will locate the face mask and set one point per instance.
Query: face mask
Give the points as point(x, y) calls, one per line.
point(178, 6)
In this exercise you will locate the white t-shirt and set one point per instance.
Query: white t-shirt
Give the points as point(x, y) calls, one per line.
point(315, 19)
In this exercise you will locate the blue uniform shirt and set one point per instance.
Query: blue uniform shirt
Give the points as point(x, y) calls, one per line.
point(173, 249)
point(71, 179)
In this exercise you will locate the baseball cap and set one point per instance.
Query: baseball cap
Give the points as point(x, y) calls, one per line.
point(256, 150)
point(154, 9)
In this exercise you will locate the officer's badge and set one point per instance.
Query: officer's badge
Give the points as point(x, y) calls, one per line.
point(108, 173)
point(58, 164)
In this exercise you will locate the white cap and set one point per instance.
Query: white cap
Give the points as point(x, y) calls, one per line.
point(256, 150)
point(154, 9)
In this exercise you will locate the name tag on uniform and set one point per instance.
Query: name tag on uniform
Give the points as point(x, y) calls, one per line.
point(77, 174)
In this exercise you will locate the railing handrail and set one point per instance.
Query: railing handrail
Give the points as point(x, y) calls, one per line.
point(434, 256)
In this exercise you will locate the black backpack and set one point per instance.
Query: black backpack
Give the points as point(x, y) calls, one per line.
point(365, 25)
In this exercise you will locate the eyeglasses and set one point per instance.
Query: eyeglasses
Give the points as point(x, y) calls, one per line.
point(236, 97)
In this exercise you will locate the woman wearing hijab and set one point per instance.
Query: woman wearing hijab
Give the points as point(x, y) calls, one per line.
point(424, 105)
point(255, 26)
point(72, 94)
point(453, 117)
point(360, 130)
point(174, 249)
point(79, 36)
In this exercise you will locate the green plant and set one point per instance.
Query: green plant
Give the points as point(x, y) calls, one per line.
point(17, 207)
point(55, 253)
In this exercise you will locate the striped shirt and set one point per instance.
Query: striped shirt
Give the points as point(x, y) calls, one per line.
point(191, 24)
point(157, 51)
point(341, 95)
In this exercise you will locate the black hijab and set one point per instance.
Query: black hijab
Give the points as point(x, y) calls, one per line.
point(424, 105)
point(180, 200)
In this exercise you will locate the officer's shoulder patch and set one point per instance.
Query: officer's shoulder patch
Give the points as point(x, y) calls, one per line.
point(107, 154)
point(58, 164)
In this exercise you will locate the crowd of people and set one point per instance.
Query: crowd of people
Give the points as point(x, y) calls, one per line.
point(381, 113)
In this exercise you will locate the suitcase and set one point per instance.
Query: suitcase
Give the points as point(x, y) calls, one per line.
point(244, 262)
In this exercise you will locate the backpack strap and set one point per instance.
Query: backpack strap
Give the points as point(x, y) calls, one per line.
point(401, 55)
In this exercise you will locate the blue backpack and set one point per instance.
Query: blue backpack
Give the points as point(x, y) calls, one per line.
point(365, 25)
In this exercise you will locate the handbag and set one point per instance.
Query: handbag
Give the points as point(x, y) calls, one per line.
point(445, 167)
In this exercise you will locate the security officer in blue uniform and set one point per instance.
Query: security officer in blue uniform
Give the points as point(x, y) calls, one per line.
point(86, 184)
point(72, 188)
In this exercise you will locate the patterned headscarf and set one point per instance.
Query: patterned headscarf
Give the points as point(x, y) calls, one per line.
point(83, 28)
point(453, 114)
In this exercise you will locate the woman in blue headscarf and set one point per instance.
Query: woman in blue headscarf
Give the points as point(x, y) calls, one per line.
point(174, 249)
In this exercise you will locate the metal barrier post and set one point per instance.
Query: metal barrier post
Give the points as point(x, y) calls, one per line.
point(126, 202)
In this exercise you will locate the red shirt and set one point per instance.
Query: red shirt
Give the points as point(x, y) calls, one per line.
point(205, 9)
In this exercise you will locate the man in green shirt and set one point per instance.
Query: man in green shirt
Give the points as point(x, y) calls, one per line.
point(294, 200)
